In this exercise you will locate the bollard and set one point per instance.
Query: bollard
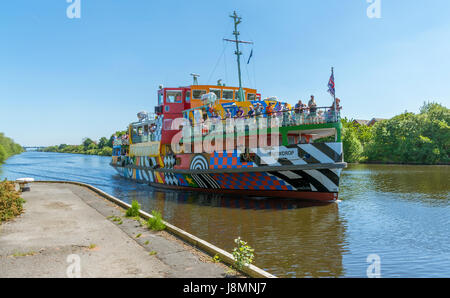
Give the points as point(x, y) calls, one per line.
point(24, 183)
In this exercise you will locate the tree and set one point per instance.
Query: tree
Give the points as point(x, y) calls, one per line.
point(87, 142)
point(102, 142)
point(8, 148)
point(353, 149)
point(3, 154)
point(410, 138)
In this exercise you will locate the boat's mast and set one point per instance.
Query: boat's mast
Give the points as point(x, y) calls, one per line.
point(237, 21)
point(238, 53)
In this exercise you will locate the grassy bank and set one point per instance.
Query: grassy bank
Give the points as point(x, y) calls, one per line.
point(11, 204)
point(8, 148)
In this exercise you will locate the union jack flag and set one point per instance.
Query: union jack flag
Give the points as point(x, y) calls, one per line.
point(331, 86)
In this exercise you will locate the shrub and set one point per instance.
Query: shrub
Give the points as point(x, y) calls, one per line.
point(243, 254)
point(106, 151)
point(11, 204)
point(133, 211)
point(155, 223)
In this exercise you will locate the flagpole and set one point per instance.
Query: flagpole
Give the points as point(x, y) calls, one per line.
point(334, 95)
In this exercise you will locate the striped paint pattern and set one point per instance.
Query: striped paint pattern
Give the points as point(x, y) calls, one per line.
point(315, 180)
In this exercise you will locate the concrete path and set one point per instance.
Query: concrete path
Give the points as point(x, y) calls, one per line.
point(65, 223)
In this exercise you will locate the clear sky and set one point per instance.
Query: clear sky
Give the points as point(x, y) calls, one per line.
point(64, 79)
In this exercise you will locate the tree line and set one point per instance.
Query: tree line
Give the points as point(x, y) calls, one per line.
point(408, 138)
point(102, 147)
point(8, 148)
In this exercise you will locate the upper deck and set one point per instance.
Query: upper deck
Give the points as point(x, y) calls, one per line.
point(196, 104)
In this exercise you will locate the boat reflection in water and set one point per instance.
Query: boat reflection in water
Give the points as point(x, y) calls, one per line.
point(215, 200)
point(291, 238)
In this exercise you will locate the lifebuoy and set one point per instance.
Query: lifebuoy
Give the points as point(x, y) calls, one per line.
point(152, 128)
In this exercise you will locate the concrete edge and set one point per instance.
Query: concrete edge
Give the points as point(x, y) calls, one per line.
point(211, 249)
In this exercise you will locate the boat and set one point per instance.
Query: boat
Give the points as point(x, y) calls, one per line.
point(228, 140)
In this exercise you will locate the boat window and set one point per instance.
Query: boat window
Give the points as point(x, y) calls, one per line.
point(216, 92)
point(188, 96)
point(167, 124)
point(160, 98)
point(228, 94)
point(197, 94)
point(173, 96)
point(251, 96)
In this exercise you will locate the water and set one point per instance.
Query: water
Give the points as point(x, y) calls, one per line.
point(400, 213)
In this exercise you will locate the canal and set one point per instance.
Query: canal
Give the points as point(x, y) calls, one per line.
point(400, 213)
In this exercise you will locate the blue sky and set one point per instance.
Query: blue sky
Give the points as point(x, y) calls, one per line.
point(64, 79)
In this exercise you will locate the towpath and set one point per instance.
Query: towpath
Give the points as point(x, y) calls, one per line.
point(67, 227)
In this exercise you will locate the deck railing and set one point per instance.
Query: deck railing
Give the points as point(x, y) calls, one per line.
point(121, 142)
point(143, 138)
point(283, 118)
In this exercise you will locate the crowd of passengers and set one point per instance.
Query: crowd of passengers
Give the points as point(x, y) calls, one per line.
point(299, 114)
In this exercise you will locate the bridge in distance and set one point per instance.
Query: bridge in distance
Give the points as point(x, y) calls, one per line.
point(33, 148)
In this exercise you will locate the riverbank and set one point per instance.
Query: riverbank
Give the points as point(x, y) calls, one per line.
point(63, 222)
point(8, 148)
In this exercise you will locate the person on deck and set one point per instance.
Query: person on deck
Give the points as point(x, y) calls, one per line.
point(299, 112)
point(259, 110)
point(240, 113)
point(286, 115)
point(228, 114)
point(312, 105)
point(337, 104)
point(270, 110)
point(251, 111)
point(334, 110)
point(210, 111)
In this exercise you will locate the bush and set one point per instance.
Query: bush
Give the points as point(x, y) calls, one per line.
point(133, 211)
point(106, 151)
point(11, 204)
point(243, 254)
point(155, 223)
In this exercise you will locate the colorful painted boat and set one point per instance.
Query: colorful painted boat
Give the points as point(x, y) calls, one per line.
point(222, 139)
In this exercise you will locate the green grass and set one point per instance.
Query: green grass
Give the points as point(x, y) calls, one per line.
point(133, 211)
point(152, 253)
point(24, 254)
point(155, 223)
